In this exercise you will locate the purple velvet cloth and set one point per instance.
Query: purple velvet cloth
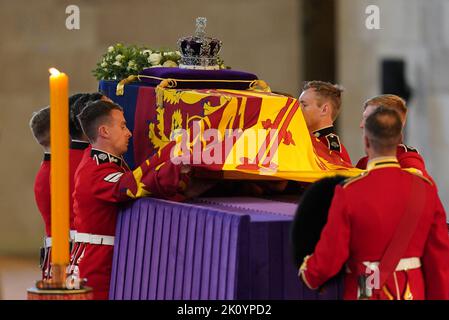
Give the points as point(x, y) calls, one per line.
point(210, 248)
point(240, 78)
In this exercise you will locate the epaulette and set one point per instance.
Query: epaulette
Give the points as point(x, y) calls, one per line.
point(418, 173)
point(103, 157)
point(333, 142)
point(408, 148)
point(349, 181)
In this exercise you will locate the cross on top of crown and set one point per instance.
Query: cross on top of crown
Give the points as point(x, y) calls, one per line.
point(200, 27)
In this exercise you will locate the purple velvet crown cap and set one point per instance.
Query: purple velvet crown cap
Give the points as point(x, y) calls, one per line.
point(240, 80)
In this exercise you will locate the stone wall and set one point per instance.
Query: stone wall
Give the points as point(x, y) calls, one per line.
point(418, 32)
point(262, 37)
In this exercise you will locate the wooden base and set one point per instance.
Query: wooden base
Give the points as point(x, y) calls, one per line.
point(59, 294)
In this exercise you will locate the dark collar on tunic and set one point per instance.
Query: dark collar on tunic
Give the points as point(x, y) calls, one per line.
point(47, 156)
point(78, 145)
point(103, 157)
point(324, 132)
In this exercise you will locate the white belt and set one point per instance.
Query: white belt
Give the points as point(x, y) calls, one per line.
point(94, 239)
point(48, 240)
point(404, 264)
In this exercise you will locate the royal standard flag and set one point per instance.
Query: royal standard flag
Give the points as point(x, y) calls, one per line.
point(242, 133)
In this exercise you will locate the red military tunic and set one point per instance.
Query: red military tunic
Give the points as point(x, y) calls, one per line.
point(332, 141)
point(101, 182)
point(42, 192)
point(76, 153)
point(407, 156)
point(362, 219)
point(42, 183)
point(42, 195)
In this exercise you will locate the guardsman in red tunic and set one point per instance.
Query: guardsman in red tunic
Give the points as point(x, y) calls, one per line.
point(388, 218)
point(40, 125)
point(408, 157)
point(80, 143)
point(321, 104)
point(102, 181)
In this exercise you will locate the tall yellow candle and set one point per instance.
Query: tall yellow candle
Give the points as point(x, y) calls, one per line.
point(59, 177)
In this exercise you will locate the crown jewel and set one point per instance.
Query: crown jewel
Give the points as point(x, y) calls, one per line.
point(199, 51)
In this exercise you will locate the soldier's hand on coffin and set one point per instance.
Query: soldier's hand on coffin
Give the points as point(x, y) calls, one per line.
point(185, 169)
point(274, 186)
point(197, 187)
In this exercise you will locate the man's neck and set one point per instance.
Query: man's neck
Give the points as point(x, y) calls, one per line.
point(322, 128)
point(376, 155)
point(323, 125)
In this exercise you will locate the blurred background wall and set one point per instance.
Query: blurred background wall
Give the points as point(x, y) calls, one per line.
point(416, 32)
point(262, 37)
point(284, 42)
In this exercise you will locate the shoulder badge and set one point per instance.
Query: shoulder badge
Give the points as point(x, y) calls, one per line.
point(333, 142)
point(103, 157)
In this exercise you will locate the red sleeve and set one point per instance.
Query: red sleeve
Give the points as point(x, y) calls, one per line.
point(344, 154)
point(411, 159)
point(154, 177)
point(363, 162)
point(332, 250)
point(163, 180)
point(435, 259)
point(42, 195)
point(106, 182)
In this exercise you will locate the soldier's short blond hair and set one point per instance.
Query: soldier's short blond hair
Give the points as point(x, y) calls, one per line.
point(329, 91)
point(388, 101)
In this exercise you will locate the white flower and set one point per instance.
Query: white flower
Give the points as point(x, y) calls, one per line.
point(169, 63)
point(104, 64)
point(117, 63)
point(131, 65)
point(178, 53)
point(110, 49)
point(155, 58)
point(147, 52)
point(118, 57)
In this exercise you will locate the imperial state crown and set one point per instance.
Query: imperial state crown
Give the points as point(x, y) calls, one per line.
point(199, 51)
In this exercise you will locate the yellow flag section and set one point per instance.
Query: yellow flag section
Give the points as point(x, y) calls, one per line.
point(261, 133)
point(280, 145)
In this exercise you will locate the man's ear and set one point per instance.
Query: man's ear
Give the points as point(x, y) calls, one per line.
point(325, 109)
point(103, 131)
